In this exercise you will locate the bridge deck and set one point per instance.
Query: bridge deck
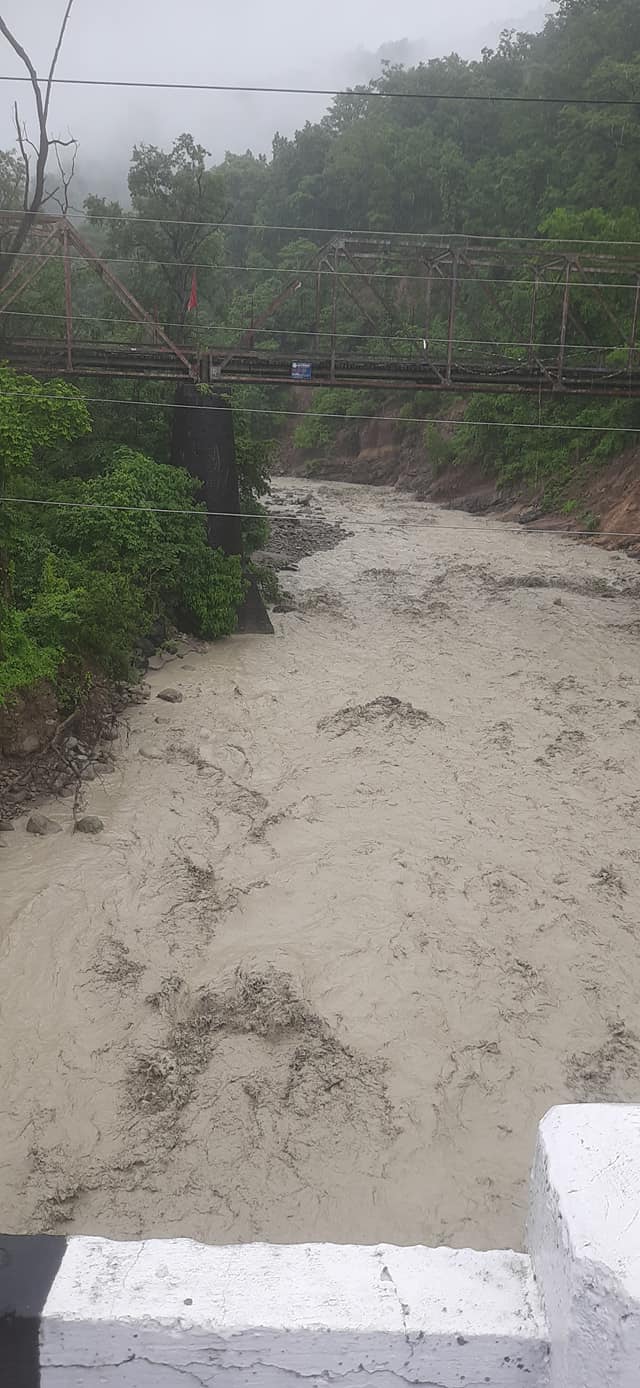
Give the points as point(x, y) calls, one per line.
point(44, 357)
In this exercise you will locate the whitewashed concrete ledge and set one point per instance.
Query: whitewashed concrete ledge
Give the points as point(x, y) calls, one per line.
point(88, 1313)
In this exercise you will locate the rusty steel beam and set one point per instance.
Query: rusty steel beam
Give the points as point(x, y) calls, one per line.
point(318, 312)
point(334, 310)
point(393, 321)
point(494, 300)
point(428, 296)
point(27, 274)
point(371, 287)
point(41, 356)
point(532, 321)
point(68, 300)
point(125, 296)
point(634, 326)
point(292, 286)
point(564, 324)
point(427, 308)
point(353, 295)
point(452, 315)
point(595, 289)
point(481, 256)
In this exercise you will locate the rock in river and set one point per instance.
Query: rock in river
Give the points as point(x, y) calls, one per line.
point(89, 824)
point(41, 824)
point(170, 696)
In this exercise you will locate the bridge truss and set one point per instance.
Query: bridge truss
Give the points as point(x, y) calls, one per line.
point(559, 321)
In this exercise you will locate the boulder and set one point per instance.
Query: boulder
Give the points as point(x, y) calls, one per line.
point(29, 744)
point(162, 658)
point(89, 824)
point(138, 693)
point(530, 514)
point(170, 696)
point(42, 825)
point(146, 647)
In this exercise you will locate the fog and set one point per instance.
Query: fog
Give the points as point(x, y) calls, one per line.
point(253, 42)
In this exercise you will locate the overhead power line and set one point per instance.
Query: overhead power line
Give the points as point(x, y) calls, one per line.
point(293, 273)
point(416, 337)
point(326, 414)
point(358, 94)
point(200, 513)
point(443, 237)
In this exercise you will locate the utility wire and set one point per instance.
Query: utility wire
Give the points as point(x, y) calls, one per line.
point(358, 94)
point(418, 335)
point(321, 414)
point(293, 273)
point(201, 513)
point(443, 237)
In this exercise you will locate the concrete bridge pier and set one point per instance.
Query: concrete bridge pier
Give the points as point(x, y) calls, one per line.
point(203, 443)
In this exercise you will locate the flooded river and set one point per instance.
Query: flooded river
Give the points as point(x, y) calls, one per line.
point(366, 904)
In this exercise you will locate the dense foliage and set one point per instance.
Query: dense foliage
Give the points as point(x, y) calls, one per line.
point(88, 575)
point(457, 166)
point(564, 172)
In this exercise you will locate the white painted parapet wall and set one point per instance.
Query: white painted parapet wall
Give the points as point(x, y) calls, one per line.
point(584, 1242)
point(87, 1313)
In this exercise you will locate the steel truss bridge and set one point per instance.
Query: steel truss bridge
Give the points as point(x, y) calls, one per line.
point(418, 298)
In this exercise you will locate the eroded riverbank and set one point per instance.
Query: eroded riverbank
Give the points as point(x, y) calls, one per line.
point(364, 907)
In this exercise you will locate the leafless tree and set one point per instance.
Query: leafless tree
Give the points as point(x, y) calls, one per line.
point(35, 153)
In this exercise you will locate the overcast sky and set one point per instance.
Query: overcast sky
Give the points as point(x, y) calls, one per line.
point(277, 42)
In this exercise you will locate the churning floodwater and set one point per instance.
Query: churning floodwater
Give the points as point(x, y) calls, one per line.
point(366, 904)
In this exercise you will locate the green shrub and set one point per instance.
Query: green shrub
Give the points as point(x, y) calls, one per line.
point(162, 553)
point(314, 433)
point(90, 580)
point(440, 450)
point(23, 661)
point(548, 459)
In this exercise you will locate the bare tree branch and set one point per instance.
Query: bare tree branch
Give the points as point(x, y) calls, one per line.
point(34, 181)
point(66, 175)
point(52, 196)
point(24, 57)
point(54, 60)
point(22, 142)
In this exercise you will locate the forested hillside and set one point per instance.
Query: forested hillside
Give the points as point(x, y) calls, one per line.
point(506, 170)
point(78, 592)
point(456, 166)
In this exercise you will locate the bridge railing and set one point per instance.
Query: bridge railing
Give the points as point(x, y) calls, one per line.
point(88, 1313)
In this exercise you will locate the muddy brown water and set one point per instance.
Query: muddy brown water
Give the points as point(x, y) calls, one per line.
point(366, 904)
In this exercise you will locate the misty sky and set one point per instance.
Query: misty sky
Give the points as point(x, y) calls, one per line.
point(285, 42)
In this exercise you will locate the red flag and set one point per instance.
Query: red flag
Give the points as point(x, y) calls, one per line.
point(193, 297)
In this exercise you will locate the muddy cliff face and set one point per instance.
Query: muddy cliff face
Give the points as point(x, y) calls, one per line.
point(376, 452)
point(384, 452)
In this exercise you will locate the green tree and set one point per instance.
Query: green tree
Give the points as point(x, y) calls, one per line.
point(177, 205)
point(34, 417)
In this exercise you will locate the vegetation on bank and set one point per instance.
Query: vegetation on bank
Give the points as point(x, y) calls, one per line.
point(84, 578)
